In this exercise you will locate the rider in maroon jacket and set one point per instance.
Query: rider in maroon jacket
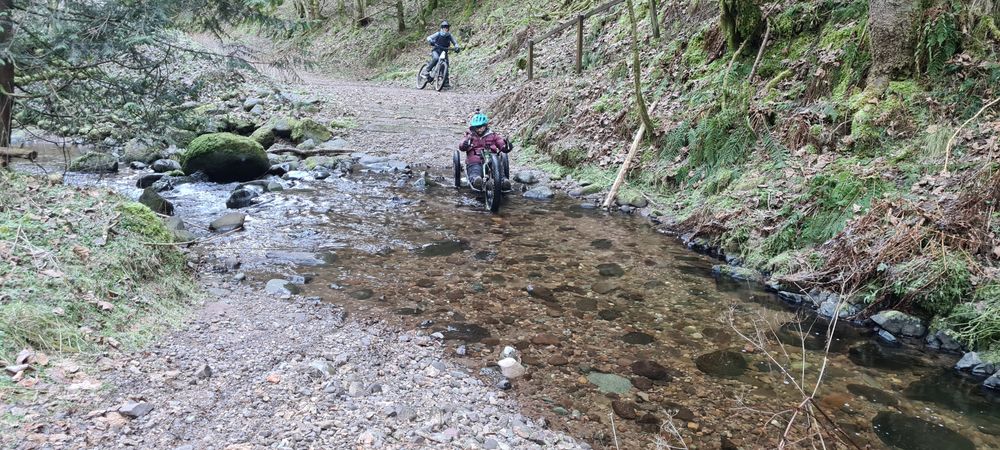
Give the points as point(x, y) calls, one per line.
point(478, 138)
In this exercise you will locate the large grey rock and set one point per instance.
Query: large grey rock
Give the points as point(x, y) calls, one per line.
point(280, 287)
point(141, 150)
point(971, 362)
point(165, 165)
point(829, 307)
point(944, 341)
point(993, 382)
point(228, 222)
point(148, 180)
point(539, 193)
point(526, 177)
point(94, 162)
point(156, 202)
point(900, 324)
point(241, 198)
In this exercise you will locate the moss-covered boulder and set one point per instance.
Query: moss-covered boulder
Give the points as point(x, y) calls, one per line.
point(237, 124)
point(142, 150)
point(264, 135)
point(225, 157)
point(307, 129)
point(631, 198)
point(94, 162)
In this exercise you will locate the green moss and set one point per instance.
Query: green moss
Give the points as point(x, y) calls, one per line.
point(741, 20)
point(94, 162)
point(695, 55)
point(306, 129)
point(346, 123)
point(225, 157)
point(264, 135)
point(719, 182)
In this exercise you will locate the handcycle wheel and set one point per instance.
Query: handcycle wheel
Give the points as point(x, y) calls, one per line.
point(505, 163)
point(442, 74)
point(421, 79)
point(457, 161)
point(493, 185)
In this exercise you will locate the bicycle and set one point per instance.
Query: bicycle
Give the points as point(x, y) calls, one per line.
point(439, 75)
point(496, 168)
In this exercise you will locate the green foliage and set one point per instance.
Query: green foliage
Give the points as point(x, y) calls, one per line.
point(939, 282)
point(939, 39)
point(721, 140)
point(225, 157)
point(977, 323)
point(83, 270)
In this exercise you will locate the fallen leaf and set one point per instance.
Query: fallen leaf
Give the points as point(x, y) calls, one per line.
point(41, 359)
point(81, 252)
point(24, 356)
point(28, 382)
point(105, 306)
point(52, 273)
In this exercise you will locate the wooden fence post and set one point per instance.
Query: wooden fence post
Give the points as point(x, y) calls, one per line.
point(531, 60)
point(579, 44)
point(653, 19)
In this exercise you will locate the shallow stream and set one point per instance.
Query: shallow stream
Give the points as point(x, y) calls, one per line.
point(591, 301)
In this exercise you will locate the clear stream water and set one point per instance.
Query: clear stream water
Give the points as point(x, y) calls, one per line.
point(608, 291)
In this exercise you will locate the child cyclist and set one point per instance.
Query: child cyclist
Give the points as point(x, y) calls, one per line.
point(476, 141)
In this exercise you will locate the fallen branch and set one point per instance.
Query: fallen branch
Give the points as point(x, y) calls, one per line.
point(314, 152)
point(760, 52)
point(951, 141)
point(624, 169)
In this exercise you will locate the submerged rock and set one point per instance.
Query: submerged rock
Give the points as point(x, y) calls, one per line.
point(722, 363)
point(609, 382)
point(910, 433)
point(737, 273)
point(900, 324)
point(872, 394)
point(225, 157)
point(610, 270)
point(637, 338)
point(650, 369)
point(540, 292)
point(539, 193)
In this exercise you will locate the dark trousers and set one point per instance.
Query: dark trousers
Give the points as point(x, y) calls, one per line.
point(473, 171)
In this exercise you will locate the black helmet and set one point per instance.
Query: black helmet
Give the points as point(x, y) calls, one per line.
point(445, 24)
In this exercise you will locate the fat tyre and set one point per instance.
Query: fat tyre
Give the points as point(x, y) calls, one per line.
point(457, 161)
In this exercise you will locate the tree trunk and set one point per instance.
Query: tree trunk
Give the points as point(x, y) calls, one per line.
point(400, 19)
point(636, 72)
point(360, 12)
point(892, 31)
point(6, 74)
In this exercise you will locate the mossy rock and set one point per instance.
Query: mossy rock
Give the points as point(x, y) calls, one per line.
point(634, 199)
point(236, 124)
point(178, 137)
point(343, 123)
point(307, 129)
point(315, 162)
point(139, 219)
point(94, 162)
point(141, 150)
point(283, 127)
point(264, 135)
point(225, 157)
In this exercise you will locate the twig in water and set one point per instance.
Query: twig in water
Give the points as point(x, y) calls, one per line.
point(614, 432)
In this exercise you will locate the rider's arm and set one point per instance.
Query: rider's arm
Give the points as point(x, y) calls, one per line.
point(430, 39)
point(454, 41)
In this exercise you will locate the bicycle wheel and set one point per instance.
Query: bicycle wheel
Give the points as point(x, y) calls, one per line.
point(442, 75)
point(457, 161)
point(493, 185)
point(421, 79)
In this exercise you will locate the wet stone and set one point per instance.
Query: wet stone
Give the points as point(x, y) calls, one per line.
point(603, 287)
point(638, 338)
point(876, 356)
point(409, 311)
point(609, 382)
point(443, 248)
point(650, 369)
point(558, 360)
point(545, 339)
point(609, 314)
point(540, 292)
point(468, 332)
point(910, 433)
point(601, 244)
point(425, 283)
point(722, 363)
point(362, 294)
point(586, 304)
point(872, 394)
point(624, 409)
point(678, 411)
point(610, 270)
point(642, 383)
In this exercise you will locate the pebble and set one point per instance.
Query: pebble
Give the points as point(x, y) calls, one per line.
point(135, 409)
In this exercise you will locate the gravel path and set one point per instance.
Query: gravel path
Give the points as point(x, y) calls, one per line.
point(253, 371)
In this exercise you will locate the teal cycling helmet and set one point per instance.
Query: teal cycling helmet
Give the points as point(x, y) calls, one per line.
point(479, 120)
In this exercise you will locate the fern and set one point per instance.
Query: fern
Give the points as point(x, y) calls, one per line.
point(940, 39)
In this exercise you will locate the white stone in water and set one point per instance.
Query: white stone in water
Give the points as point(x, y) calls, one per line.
point(509, 352)
point(511, 368)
